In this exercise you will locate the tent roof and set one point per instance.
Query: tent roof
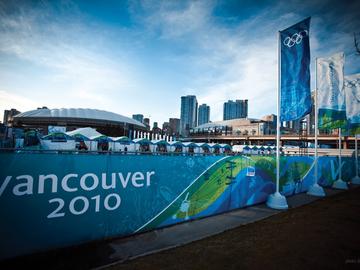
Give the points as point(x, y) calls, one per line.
point(121, 139)
point(101, 137)
point(159, 142)
point(273, 147)
point(57, 134)
point(214, 145)
point(202, 144)
point(141, 141)
point(78, 135)
point(187, 144)
point(225, 145)
point(87, 132)
point(176, 143)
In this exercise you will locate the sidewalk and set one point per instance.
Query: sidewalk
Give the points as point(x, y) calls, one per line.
point(178, 235)
point(112, 252)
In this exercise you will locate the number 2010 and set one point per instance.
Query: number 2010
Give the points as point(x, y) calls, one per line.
point(80, 205)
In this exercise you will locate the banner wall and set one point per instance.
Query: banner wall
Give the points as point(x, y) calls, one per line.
point(55, 200)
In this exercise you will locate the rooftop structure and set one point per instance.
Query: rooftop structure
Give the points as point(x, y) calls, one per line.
point(108, 123)
point(240, 126)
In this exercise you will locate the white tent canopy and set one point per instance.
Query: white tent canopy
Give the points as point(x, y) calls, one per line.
point(87, 132)
point(57, 141)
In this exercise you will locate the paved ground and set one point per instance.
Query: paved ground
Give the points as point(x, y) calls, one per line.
point(322, 235)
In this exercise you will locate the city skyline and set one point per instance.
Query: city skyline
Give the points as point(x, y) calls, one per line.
point(235, 109)
point(204, 114)
point(141, 56)
point(189, 114)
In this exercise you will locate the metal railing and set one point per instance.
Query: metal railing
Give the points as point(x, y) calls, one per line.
point(109, 152)
point(285, 152)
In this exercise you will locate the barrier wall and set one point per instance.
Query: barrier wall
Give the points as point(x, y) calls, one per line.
point(56, 200)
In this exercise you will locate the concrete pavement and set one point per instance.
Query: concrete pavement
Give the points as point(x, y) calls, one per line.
point(177, 235)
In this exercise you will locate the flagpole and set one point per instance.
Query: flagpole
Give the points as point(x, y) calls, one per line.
point(278, 135)
point(276, 200)
point(356, 179)
point(316, 189)
point(340, 174)
point(340, 184)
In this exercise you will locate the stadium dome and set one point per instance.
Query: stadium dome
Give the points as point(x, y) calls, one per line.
point(105, 122)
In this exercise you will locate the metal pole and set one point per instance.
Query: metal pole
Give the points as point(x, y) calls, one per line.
point(316, 125)
point(278, 118)
point(340, 154)
point(276, 200)
point(356, 157)
point(315, 189)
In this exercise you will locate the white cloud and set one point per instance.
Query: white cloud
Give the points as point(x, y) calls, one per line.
point(239, 62)
point(75, 66)
point(175, 23)
point(217, 61)
point(9, 100)
point(231, 63)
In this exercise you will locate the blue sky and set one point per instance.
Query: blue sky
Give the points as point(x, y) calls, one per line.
point(134, 57)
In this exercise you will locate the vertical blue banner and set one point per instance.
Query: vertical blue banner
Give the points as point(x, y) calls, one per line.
point(295, 71)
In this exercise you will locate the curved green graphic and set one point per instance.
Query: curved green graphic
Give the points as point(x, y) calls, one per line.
point(202, 192)
point(229, 178)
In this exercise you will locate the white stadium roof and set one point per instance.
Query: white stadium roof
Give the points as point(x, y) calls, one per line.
point(91, 114)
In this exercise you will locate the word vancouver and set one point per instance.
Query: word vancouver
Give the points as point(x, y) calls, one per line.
point(25, 185)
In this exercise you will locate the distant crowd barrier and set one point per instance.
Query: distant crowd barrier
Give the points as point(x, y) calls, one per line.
point(50, 200)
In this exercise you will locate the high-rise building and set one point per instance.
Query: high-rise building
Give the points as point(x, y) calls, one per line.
point(235, 109)
point(147, 123)
point(174, 126)
point(8, 116)
point(204, 114)
point(156, 129)
point(166, 128)
point(138, 117)
point(188, 117)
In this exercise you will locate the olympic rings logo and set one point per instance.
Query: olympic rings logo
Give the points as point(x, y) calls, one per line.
point(295, 38)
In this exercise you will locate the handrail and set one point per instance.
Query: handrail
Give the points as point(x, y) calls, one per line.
point(44, 151)
point(287, 152)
